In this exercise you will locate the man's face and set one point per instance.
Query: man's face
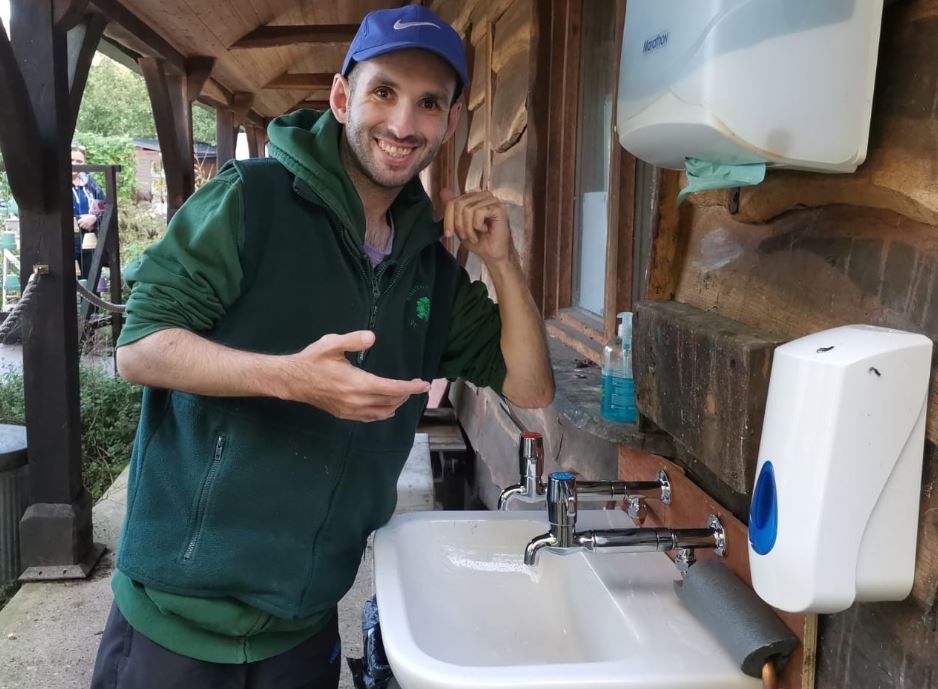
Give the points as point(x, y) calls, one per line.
point(396, 113)
point(78, 158)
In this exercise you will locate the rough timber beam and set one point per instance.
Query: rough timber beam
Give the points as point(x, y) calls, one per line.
point(312, 104)
point(226, 136)
point(241, 105)
point(83, 39)
point(19, 135)
point(253, 117)
point(68, 13)
point(272, 36)
point(301, 81)
point(117, 13)
point(198, 70)
point(256, 139)
point(172, 114)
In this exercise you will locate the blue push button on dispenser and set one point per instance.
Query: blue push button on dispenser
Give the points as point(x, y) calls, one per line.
point(763, 513)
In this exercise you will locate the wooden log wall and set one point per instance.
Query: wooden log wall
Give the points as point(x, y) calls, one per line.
point(803, 252)
point(806, 252)
point(500, 150)
point(703, 379)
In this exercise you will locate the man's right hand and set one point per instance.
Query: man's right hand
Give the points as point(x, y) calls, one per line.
point(322, 376)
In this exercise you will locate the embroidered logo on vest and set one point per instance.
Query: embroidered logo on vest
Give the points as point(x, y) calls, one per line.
point(418, 306)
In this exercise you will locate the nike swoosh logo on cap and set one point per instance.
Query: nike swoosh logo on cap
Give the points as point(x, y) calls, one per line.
point(406, 25)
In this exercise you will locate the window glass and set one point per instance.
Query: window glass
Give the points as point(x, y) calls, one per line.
point(594, 138)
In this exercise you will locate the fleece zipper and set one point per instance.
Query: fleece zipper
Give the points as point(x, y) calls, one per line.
point(202, 503)
point(370, 276)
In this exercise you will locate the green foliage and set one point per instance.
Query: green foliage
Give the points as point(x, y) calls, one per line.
point(7, 590)
point(6, 194)
point(139, 226)
point(7, 202)
point(12, 405)
point(112, 150)
point(203, 124)
point(116, 103)
point(110, 410)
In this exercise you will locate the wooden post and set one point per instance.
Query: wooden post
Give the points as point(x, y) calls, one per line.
point(107, 244)
point(251, 133)
point(226, 136)
point(55, 532)
point(112, 246)
point(256, 141)
point(83, 39)
point(172, 114)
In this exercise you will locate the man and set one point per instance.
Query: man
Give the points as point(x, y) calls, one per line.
point(87, 207)
point(286, 329)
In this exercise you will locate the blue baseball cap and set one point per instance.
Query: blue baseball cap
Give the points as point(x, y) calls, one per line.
point(411, 26)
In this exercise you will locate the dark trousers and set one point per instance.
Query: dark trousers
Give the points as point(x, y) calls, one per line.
point(129, 660)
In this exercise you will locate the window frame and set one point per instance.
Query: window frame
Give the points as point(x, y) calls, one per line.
point(576, 327)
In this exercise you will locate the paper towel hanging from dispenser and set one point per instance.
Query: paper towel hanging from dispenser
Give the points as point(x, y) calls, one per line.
point(835, 509)
point(784, 82)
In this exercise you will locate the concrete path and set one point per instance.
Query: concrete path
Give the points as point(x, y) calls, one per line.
point(49, 632)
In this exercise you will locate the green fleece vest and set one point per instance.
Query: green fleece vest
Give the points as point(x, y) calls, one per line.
point(271, 502)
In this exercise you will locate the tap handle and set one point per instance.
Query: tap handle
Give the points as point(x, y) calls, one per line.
point(561, 501)
point(531, 456)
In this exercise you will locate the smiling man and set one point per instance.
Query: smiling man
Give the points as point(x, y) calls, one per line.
point(286, 330)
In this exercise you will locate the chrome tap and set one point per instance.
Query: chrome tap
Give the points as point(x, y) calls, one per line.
point(562, 496)
point(531, 488)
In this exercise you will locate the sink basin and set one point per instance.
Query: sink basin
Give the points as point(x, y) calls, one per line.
point(459, 609)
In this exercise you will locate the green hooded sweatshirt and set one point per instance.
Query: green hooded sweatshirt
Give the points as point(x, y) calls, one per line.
point(248, 517)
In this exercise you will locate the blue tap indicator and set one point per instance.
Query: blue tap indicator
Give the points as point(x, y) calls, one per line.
point(562, 475)
point(763, 512)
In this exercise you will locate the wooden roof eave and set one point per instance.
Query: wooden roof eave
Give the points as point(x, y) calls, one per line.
point(127, 39)
point(127, 57)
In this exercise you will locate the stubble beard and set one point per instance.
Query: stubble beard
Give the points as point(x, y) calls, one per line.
point(360, 148)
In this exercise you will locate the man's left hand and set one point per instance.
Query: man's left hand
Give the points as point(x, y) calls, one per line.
point(480, 221)
point(87, 221)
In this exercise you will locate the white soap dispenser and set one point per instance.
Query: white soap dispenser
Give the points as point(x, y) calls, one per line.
point(834, 515)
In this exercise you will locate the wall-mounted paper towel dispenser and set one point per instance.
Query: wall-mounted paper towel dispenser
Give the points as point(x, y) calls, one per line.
point(785, 82)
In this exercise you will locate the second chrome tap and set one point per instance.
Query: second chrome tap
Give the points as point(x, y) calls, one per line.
point(562, 494)
point(530, 488)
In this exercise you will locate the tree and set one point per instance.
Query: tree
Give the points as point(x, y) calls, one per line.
point(115, 103)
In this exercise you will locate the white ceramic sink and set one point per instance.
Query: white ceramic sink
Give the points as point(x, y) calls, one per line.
point(460, 610)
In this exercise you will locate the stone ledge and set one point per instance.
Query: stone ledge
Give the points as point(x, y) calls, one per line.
point(577, 401)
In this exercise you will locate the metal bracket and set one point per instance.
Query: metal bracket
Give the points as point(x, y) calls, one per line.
point(685, 560)
point(637, 509)
point(665, 487)
point(719, 533)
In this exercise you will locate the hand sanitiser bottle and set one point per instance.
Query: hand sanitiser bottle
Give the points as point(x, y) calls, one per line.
point(618, 385)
